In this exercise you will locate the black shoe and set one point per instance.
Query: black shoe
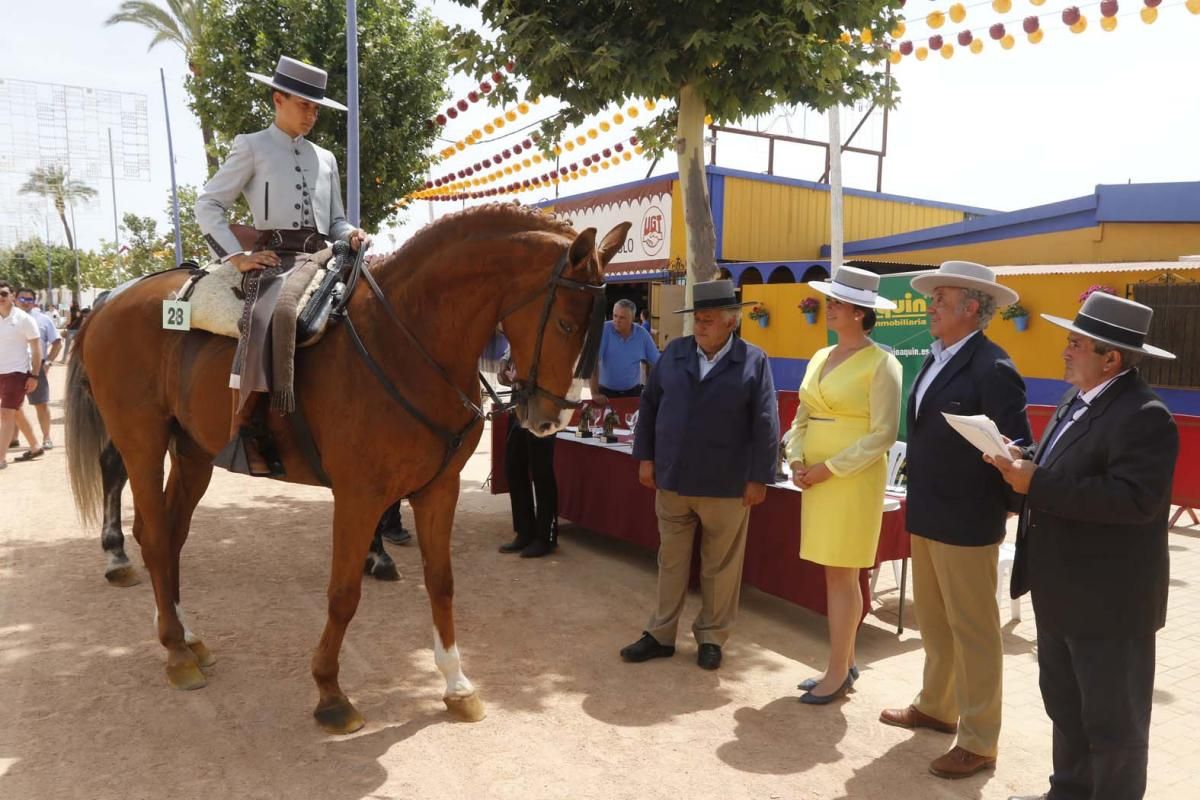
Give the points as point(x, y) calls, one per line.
point(808, 698)
point(808, 684)
point(538, 549)
point(645, 649)
point(709, 656)
point(516, 545)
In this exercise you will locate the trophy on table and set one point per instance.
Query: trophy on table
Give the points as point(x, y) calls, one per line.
point(611, 420)
point(584, 431)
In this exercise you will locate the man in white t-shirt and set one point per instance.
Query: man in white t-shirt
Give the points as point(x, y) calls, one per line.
point(20, 349)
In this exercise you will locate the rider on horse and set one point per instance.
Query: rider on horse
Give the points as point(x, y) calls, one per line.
point(294, 192)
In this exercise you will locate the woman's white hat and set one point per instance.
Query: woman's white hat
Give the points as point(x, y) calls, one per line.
point(855, 286)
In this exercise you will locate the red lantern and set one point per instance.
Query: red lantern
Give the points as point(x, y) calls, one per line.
point(633, 140)
point(511, 66)
point(473, 96)
point(451, 112)
point(935, 42)
point(1030, 24)
point(587, 161)
point(428, 184)
point(618, 147)
point(527, 144)
point(537, 137)
point(574, 166)
point(487, 163)
point(965, 38)
point(1070, 15)
point(553, 173)
point(906, 48)
point(607, 153)
point(498, 76)
point(517, 149)
point(996, 31)
point(441, 119)
point(463, 105)
point(485, 87)
point(507, 153)
point(470, 171)
point(1108, 8)
point(1153, 3)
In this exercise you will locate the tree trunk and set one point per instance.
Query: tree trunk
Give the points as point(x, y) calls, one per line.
point(697, 214)
point(210, 147)
point(62, 214)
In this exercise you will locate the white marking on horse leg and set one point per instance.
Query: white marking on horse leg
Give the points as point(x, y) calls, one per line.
point(450, 665)
point(188, 636)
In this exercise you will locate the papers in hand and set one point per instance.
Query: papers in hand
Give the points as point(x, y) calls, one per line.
point(980, 431)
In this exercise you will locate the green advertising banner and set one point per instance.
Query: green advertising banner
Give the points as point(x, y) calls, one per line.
point(905, 331)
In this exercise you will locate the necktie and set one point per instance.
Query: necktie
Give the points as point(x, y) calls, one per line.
point(1076, 404)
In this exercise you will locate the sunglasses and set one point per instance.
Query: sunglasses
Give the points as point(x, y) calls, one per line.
point(26, 299)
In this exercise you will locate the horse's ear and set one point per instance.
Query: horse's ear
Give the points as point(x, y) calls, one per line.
point(582, 247)
point(613, 243)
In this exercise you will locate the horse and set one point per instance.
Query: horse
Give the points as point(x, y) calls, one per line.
point(392, 401)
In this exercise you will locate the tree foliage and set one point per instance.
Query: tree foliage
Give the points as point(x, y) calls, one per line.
point(402, 75)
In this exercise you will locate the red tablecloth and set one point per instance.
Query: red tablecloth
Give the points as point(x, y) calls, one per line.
point(598, 489)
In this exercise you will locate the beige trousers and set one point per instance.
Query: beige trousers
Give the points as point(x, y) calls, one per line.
point(722, 522)
point(954, 592)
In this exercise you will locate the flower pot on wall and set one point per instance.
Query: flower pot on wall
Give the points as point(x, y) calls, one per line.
point(1020, 323)
point(764, 321)
point(811, 316)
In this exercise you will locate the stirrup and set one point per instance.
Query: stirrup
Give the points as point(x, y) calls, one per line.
point(235, 457)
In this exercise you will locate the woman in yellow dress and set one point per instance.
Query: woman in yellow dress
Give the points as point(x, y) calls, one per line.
point(848, 418)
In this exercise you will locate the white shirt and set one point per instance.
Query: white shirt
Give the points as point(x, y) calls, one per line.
point(705, 364)
point(941, 357)
point(17, 330)
point(1088, 397)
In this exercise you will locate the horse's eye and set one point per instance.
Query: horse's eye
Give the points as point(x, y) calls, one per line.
point(568, 328)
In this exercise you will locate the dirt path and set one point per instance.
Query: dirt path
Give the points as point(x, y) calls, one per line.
point(86, 712)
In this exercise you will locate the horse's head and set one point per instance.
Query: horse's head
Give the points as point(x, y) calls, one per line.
point(549, 333)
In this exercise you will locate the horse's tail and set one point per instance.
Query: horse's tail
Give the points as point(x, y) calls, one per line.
point(86, 436)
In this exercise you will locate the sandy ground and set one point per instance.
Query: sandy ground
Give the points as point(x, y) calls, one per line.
point(86, 711)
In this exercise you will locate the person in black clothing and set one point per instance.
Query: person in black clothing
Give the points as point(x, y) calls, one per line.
point(529, 469)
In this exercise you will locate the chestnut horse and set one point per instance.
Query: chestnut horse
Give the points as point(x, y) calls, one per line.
point(391, 396)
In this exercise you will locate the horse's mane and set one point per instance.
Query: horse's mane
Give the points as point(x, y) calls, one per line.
point(472, 224)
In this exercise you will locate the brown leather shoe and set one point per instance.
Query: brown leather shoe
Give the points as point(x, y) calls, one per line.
point(960, 763)
point(912, 718)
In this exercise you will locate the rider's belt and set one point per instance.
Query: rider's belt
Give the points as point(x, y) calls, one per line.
point(296, 240)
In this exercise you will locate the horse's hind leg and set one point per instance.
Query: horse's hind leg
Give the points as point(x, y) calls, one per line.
point(118, 572)
point(380, 565)
point(352, 526)
point(434, 511)
point(191, 470)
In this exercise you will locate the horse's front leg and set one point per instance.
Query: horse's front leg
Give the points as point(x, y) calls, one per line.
point(353, 525)
point(434, 512)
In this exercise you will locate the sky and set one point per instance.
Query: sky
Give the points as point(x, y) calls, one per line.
point(1000, 130)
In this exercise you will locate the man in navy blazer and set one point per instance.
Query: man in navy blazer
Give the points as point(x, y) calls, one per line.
point(957, 508)
point(708, 440)
point(1092, 549)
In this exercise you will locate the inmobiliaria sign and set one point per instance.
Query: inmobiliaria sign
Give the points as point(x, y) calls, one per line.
point(647, 206)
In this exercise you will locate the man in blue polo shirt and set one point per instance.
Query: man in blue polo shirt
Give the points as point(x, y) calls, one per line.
point(622, 350)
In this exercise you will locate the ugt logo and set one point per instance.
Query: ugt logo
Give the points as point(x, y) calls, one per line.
point(653, 233)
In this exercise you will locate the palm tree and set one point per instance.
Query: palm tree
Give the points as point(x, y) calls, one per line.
point(52, 182)
point(179, 23)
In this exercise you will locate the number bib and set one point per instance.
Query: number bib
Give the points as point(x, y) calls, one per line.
point(177, 315)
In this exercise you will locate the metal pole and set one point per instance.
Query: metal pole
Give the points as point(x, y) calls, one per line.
point(112, 170)
point(174, 188)
point(49, 258)
point(75, 248)
point(837, 232)
point(352, 166)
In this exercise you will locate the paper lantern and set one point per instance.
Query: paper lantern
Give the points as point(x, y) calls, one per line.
point(485, 87)
point(965, 38)
point(1008, 41)
point(1193, 6)
point(604, 126)
point(523, 108)
point(649, 104)
point(527, 163)
point(441, 119)
point(866, 36)
point(708, 120)
point(935, 42)
point(1037, 2)
point(581, 140)
point(977, 46)
point(947, 50)
point(899, 30)
point(845, 38)
point(1152, 3)
point(1149, 14)
point(618, 118)
point(957, 12)
point(996, 31)
point(570, 146)
point(1080, 26)
point(1037, 36)
point(922, 54)
point(631, 112)
point(1108, 23)
point(1108, 8)
point(510, 115)
point(462, 105)
point(627, 156)
point(935, 19)
point(452, 112)
point(1070, 15)
point(1030, 24)
point(906, 49)
point(592, 133)
point(1002, 6)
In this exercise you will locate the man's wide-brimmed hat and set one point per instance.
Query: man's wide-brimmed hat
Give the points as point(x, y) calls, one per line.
point(303, 80)
point(854, 286)
point(713, 294)
point(1113, 320)
point(965, 275)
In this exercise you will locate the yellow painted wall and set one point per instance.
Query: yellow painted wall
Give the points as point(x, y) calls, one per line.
point(678, 224)
point(772, 221)
point(1104, 243)
point(788, 335)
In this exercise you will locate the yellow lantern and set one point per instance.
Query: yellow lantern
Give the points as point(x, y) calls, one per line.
point(592, 133)
point(477, 133)
point(935, 19)
point(508, 170)
point(845, 38)
point(1002, 6)
point(1193, 6)
point(866, 36)
point(489, 128)
point(1149, 15)
point(708, 119)
point(523, 108)
point(527, 163)
point(595, 168)
point(639, 149)
point(1081, 25)
point(922, 53)
point(1108, 23)
point(570, 146)
point(511, 116)
point(977, 46)
point(1008, 41)
point(558, 150)
point(649, 104)
point(627, 155)
point(957, 12)
point(899, 30)
point(947, 50)
point(537, 159)
point(1038, 2)
point(632, 112)
point(604, 165)
point(498, 122)
point(581, 140)
point(618, 118)
point(1037, 36)
point(604, 126)
point(895, 57)
point(460, 146)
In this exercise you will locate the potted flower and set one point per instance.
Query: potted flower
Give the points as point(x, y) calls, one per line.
point(1096, 287)
point(809, 306)
point(759, 312)
point(1018, 314)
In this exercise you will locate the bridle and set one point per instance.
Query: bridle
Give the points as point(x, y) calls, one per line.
point(523, 391)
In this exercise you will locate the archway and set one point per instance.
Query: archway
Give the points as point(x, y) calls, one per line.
point(816, 272)
point(781, 274)
point(750, 275)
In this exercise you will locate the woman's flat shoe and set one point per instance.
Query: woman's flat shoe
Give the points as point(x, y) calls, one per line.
point(808, 698)
point(808, 684)
point(30, 455)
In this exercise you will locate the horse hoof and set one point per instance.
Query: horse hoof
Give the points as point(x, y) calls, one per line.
point(385, 572)
point(466, 709)
point(186, 676)
point(204, 656)
point(122, 576)
point(338, 717)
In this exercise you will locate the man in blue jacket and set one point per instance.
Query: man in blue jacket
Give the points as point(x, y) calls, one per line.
point(708, 439)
